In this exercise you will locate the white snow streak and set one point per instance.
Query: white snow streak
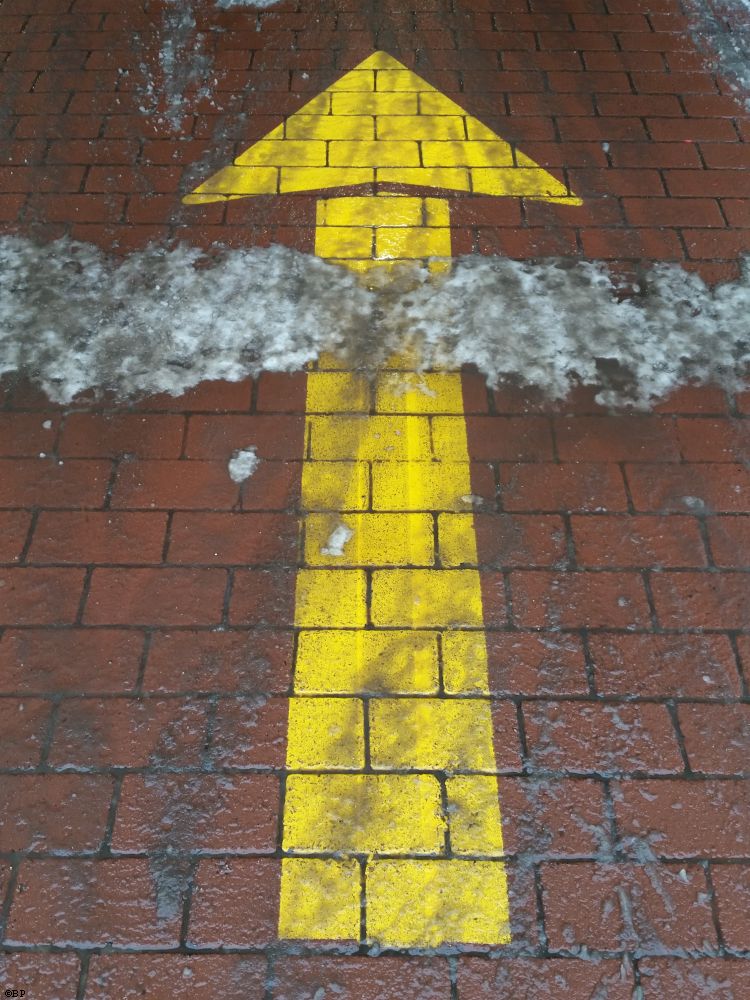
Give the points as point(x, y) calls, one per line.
point(337, 540)
point(73, 318)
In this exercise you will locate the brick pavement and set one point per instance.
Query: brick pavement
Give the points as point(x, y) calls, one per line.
point(148, 638)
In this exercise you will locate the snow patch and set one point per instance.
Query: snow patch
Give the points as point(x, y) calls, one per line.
point(721, 31)
point(337, 541)
point(73, 318)
point(243, 464)
point(253, 4)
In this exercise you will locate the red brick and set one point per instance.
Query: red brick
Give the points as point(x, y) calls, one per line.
point(664, 666)
point(236, 662)
point(94, 435)
point(577, 41)
point(610, 61)
point(626, 906)
point(729, 539)
point(86, 537)
point(678, 978)
point(696, 488)
point(77, 207)
point(694, 399)
point(127, 180)
point(14, 527)
point(176, 485)
point(67, 901)
point(578, 600)
point(24, 724)
point(250, 732)
point(691, 129)
point(607, 182)
point(727, 156)
point(713, 106)
point(581, 738)
point(521, 244)
point(279, 392)
point(86, 661)
point(519, 540)
point(636, 244)
point(128, 732)
point(538, 979)
point(707, 183)
point(235, 903)
point(702, 600)
point(39, 596)
point(156, 597)
point(54, 812)
point(673, 211)
point(217, 814)
point(31, 482)
point(674, 83)
point(64, 127)
point(520, 439)
point(43, 975)
point(586, 486)
point(217, 437)
point(638, 106)
point(684, 819)
point(641, 540)
point(479, 210)
point(737, 211)
point(25, 435)
point(123, 976)
point(234, 539)
point(213, 396)
point(732, 885)
point(553, 819)
point(372, 978)
point(592, 129)
point(262, 597)
point(716, 737)
point(654, 154)
point(529, 664)
point(715, 244)
point(641, 41)
point(616, 438)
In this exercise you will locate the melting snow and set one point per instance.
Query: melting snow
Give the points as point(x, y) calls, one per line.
point(72, 318)
point(243, 464)
point(337, 541)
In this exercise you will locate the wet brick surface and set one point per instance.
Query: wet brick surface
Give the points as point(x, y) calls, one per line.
point(146, 600)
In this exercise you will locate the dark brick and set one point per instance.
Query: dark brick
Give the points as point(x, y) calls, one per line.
point(705, 600)
point(535, 979)
point(155, 596)
point(678, 978)
point(525, 664)
point(640, 540)
point(235, 903)
point(352, 978)
point(53, 812)
point(24, 725)
point(233, 977)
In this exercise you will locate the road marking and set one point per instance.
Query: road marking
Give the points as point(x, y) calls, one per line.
point(382, 123)
point(391, 826)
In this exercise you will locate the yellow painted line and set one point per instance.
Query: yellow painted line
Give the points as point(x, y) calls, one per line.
point(391, 818)
point(381, 122)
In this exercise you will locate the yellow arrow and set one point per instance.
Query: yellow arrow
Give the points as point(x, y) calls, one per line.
point(381, 123)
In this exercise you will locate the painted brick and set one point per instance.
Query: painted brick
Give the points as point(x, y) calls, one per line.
point(128, 732)
point(599, 738)
point(218, 814)
point(80, 902)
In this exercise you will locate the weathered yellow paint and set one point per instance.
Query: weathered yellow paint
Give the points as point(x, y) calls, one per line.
point(358, 661)
point(381, 122)
point(428, 903)
point(390, 645)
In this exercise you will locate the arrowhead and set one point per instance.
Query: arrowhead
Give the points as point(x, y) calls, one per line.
point(382, 123)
